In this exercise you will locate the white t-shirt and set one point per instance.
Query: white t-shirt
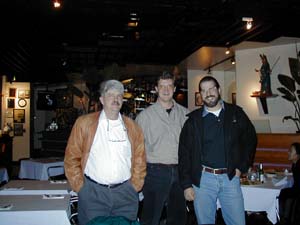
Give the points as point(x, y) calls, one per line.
point(109, 161)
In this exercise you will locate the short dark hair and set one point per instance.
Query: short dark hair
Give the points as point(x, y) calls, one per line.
point(296, 145)
point(165, 76)
point(209, 78)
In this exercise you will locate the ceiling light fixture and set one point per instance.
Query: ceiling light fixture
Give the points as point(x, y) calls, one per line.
point(227, 52)
point(133, 20)
point(56, 3)
point(233, 60)
point(249, 21)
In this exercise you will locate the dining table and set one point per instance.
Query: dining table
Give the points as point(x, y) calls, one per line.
point(41, 168)
point(263, 197)
point(35, 187)
point(3, 175)
point(34, 210)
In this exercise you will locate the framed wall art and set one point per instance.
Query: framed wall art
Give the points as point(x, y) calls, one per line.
point(10, 103)
point(12, 92)
point(21, 94)
point(233, 98)
point(198, 99)
point(27, 94)
point(9, 113)
point(19, 115)
point(18, 129)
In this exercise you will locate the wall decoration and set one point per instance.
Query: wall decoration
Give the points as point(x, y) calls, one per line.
point(10, 103)
point(19, 115)
point(198, 99)
point(9, 113)
point(12, 92)
point(233, 98)
point(21, 94)
point(22, 102)
point(18, 129)
point(27, 94)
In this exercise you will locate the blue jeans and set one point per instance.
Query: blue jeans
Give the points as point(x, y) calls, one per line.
point(162, 188)
point(229, 193)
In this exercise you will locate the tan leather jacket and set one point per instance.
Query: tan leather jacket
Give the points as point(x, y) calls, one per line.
point(80, 142)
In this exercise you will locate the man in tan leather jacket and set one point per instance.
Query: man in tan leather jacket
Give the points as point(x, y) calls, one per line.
point(105, 159)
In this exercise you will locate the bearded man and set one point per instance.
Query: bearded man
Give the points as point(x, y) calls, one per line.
point(217, 144)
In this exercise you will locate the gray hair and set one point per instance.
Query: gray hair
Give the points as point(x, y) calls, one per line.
point(111, 84)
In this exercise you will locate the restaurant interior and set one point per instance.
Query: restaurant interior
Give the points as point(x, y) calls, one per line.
point(52, 60)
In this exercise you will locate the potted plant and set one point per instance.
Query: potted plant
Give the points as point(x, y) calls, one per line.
point(290, 90)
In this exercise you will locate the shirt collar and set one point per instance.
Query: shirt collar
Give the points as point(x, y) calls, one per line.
point(104, 117)
point(162, 109)
point(205, 111)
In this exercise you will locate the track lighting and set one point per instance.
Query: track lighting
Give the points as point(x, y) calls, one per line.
point(233, 61)
point(227, 52)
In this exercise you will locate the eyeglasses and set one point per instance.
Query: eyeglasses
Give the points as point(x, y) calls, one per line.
point(212, 89)
point(117, 135)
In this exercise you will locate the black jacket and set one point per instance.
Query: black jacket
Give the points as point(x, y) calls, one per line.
point(239, 139)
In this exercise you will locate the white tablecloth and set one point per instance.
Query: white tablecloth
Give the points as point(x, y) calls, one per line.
point(34, 210)
point(3, 175)
point(258, 198)
point(37, 168)
point(34, 187)
point(263, 197)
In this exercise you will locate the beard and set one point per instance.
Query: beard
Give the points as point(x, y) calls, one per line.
point(210, 103)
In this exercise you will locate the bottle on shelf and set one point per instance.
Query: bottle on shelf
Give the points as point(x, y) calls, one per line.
point(261, 174)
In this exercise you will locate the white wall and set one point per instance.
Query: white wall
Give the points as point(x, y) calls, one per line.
point(247, 81)
point(21, 144)
point(194, 76)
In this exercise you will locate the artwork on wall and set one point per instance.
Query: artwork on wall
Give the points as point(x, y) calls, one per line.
point(12, 92)
point(19, 115)
point(22, 102)
point(27, 94)
point(10, 103)
point(233, 98)
point(198, 99)
point(9, 113)
point(18, 129)
point(21, 94)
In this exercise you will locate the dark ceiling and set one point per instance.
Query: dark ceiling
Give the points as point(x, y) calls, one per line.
point(39, 43)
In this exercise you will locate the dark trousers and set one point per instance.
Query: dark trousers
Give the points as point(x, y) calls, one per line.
point(95, 200)
point(161, 189)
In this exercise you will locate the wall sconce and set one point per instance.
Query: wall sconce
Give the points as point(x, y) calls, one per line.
point(249, 21)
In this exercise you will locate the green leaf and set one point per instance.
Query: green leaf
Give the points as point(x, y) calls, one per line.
point(290, 98)
point(295, 69)
point(289, 118)
point(287, 82)
point(287, 94)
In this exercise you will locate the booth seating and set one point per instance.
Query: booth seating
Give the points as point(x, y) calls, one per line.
point(272, 150)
